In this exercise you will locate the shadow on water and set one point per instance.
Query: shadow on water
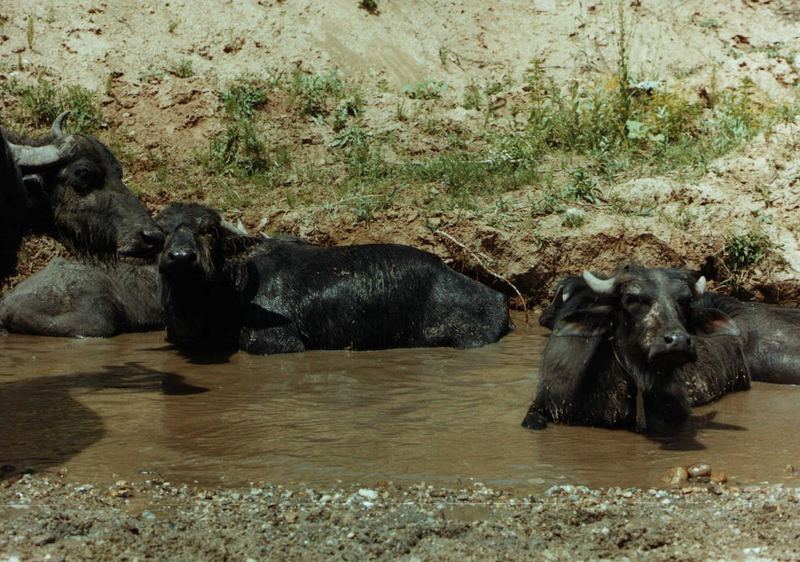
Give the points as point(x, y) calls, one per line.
point(685, 438)
point(43, 425)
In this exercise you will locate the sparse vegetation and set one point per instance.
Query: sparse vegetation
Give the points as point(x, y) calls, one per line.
point(743, 251)
point(369, 5)
point(182, 68)
point(240, 150)
point(425, 90)
point(30, 32)
point(41, 102)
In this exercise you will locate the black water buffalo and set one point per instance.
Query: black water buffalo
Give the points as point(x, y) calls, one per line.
point(13, 209)
point(71, 298)
point(225, 290)
point(635, 350)
point(75, 193)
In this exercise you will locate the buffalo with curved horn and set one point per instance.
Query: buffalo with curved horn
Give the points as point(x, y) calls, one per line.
point(76, 194)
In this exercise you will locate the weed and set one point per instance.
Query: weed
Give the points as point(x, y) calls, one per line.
point(473, 97)
point(151, 75)
point(86, 115)
point(583, 187)
point(425, 90)
point(573, 218)
point(30, 32)
point(350, 136)
point(243, 97)
point(42, 102)
point(240, 151)
point(182, 68)
point(548, 204)
point(365, 200)
point(172, 25)
point(400, 111)
point(369, 5)
point(743, 251)
point(313, 93)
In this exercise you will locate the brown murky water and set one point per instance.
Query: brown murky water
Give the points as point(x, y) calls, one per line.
point(130, 406)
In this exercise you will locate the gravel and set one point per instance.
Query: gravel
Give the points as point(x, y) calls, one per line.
point(51, 519)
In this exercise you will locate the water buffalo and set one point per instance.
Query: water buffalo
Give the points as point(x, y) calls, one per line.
point(769, 337)
point(225, 290)
point(13, 209)
point(72, 298)
point(635, 350)
point(75, 193)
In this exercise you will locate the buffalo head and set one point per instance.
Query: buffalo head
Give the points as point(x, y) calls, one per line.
point(198, 242)
point(646, 313)
point(76, 193)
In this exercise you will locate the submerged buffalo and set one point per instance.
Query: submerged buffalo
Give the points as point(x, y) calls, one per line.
point(637, 349)
point(75, 193)
point(225, 290)
point(13, 209)
point(71, 298)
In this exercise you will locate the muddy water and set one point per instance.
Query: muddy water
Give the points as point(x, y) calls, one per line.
point(130, 407)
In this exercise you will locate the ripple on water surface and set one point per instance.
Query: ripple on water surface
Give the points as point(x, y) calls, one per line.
point(116, 408)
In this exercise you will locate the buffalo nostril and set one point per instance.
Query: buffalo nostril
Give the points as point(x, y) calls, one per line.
point(153, 237)
point(182, 256)
point(669, 339)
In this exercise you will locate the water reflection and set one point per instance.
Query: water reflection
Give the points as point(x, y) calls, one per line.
point(43, 425)
point(114, 408)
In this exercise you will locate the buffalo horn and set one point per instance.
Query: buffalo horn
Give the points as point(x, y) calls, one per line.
point(34, 156)
point(700, 286)
point(57, 129)
point(601, 286)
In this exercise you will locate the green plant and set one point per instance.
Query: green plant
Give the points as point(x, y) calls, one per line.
point(743, 251)
point(239, 149)
point(425, 90)
point(473, 97)
point(182, 68)
point(85, 112)
point(243, 97)
point(30, 32)
point(369, 5)
point(172, 25)
point(400, 111)
point(583, 187)
point(41, 103)
point(314, 93)
point(151, 74)
point(573, 218)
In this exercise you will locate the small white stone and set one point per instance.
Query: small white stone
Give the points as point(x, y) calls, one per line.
point(367, 493)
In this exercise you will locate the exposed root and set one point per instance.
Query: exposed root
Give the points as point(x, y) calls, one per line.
point(477, 257)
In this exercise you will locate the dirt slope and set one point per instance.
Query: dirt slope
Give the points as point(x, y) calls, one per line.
point(116, 47)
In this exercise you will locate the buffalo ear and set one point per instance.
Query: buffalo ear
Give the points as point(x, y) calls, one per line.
point(714, 322)
point(234, 244)
point(585, 322)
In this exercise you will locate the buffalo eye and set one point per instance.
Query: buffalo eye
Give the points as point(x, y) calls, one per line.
point(85, 178)
point(632, 300)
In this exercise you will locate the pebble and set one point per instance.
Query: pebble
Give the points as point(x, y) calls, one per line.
point(719, 477)
point(676, 476)
point(698, 470)
point(367, 493)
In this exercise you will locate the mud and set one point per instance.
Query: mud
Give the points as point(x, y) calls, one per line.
point(131, 405)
